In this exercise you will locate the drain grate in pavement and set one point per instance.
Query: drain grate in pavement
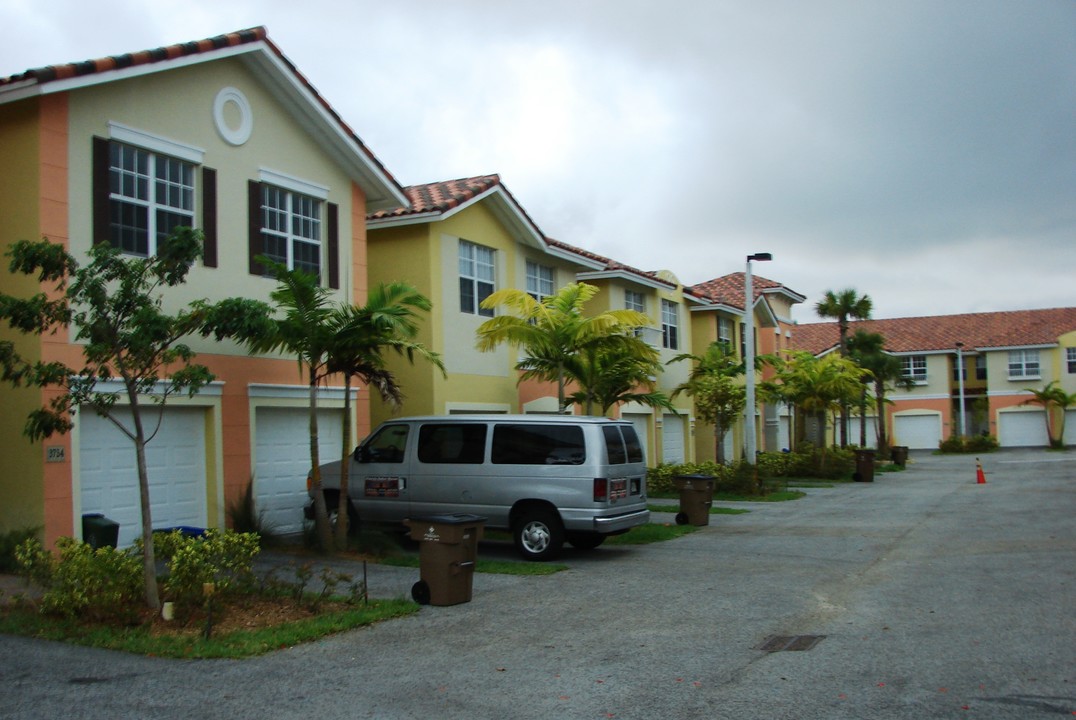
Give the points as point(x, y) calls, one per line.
point(790, 643)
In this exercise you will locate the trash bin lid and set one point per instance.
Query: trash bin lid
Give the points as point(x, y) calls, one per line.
point(449, 519)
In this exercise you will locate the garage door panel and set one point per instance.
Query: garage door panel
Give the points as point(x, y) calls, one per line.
point(282, 448)
point(672, 439)
point(1022, 429)
point(920, 432)
point(175, 462)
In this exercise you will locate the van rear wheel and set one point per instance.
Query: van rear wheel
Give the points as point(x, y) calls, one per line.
point(538, 534)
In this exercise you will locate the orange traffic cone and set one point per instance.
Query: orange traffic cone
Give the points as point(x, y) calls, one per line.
point(980, 476)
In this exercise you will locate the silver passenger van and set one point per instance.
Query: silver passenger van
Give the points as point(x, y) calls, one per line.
point(545, 478)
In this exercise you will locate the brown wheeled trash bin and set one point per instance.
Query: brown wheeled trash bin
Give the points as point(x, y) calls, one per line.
point(446, 557)
point(899, 454)
point(864, 466)
point(696, 498)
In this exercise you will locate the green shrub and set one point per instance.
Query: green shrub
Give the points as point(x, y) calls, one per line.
point(738, 479)
point(103, 584)
point(973, 444)
point(809, 462)
point(223, 559)
point(8, 542)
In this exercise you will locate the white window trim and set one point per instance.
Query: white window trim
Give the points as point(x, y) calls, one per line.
point(295, 184)
point(155, 143)
point(1023, 365)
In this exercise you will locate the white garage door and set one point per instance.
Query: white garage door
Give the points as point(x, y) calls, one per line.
point(282, 460)
point(672, 439)
point(871, 431)
point(1070, 427)
point(1022, 429)
point(175, 459)
point(917, 431)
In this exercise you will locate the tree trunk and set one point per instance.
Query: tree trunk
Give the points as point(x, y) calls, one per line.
point(863, 418)
point(883, 435)
point(321, 512)
point(149, 560)
point(719, 444)
point(342, 515)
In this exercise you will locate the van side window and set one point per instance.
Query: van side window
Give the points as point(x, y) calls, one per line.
point(463, 443)
point(635, 448)
point(387, 446)
point(538, 445)
point(614, 445)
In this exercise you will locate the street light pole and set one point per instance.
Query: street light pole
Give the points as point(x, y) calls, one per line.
point(960, 378)
point(750, 442)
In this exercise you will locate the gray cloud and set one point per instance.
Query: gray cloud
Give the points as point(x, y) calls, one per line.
point(921, 152)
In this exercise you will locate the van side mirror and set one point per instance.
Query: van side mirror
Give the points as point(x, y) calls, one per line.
point(361, 454)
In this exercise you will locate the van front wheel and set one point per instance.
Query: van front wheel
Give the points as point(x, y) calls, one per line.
point(539, 534)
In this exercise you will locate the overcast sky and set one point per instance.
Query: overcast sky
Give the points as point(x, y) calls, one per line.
point(921, 152)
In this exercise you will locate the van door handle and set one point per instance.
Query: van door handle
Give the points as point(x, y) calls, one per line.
point(403, 483)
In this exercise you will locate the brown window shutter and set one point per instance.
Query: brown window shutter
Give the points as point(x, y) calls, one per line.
point(209, 217)
point(254, 222)
point(334, 246)
point(101, 191)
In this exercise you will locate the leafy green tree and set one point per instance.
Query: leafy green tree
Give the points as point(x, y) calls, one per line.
point(841, 306)
point(361, 336)
point(611, 374)
point(1054, 401)
point(554, 331)
point(719, 398)
point(115, 304)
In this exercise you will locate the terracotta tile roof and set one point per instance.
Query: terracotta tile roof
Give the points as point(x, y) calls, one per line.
point(117, 62)
point(609, 264)
point(439, 197)
point(1015, 328)
point(51, 73)
point(728, 289)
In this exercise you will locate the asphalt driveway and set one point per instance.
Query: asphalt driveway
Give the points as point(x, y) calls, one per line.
point(934, 596)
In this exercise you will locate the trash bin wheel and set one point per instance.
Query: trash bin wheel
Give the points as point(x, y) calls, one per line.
point(538, 534)
point(420, 592)
point(681, 518)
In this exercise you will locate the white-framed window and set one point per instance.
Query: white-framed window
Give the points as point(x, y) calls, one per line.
point(980, 367)
point(540, 283)
point(1070, 359)
point(291, 229)
point(725, 333)
point(477, 277)
point(150, 194)
point(670, 325)
point(1023, 364)
point(914, 367)
point(634, 301)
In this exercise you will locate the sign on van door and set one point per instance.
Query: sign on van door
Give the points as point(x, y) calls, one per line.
point(383, 467)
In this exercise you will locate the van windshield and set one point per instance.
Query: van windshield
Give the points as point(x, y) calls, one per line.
point(526, 444)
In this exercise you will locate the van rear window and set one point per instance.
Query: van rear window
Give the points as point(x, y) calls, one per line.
point(622, 445)
point(452, 443)
point(525, 444)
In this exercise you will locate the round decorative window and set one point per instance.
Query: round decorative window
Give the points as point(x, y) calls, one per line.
point(232, 115)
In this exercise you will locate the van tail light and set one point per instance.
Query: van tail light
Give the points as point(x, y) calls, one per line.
point(601, 489)
point(309, 482)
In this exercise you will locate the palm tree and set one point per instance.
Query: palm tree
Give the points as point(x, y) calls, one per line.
point(553, 331)
point(1054, 401)
point(841, 306)
point(863, 347)
point(612, 374)
point(868, 349)
point(814, 385)
point(719, 399)
point(305, 330)
point(360, 337)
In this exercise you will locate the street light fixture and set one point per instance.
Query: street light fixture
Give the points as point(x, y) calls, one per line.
point(750, 441)
point(960, 379)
